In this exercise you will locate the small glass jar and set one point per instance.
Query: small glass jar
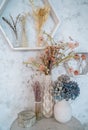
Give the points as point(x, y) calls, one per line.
point(38, 110)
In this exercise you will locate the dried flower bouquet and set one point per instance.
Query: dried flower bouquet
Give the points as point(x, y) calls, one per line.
point(53, 55)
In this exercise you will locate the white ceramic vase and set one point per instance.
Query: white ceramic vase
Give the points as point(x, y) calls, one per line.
point(62, 111)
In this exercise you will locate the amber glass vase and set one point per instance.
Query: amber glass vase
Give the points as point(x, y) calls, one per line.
point(38, 110)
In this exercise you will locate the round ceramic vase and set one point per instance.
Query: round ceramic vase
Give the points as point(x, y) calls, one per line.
point(62, 111)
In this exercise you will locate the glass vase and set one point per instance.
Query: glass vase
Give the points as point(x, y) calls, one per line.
point(37, 89)
point(47, 103)
point(38, 110)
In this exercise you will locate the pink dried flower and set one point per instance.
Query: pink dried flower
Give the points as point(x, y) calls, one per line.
point(76, 72)
point(76, 44)
point(31, 59)
point(71, 45)
point(71, 70)
point(83, 57)
point(76, 57)
point(41, 67)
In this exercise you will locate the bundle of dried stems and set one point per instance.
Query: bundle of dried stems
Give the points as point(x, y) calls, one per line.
point(40, 16)
point(13, 24)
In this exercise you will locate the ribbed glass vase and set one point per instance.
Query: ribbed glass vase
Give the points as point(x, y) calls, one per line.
point(47, 103)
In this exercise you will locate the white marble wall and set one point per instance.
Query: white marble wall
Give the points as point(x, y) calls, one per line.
point(15, 95)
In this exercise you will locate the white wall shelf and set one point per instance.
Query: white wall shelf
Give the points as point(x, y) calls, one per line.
point(50, 26)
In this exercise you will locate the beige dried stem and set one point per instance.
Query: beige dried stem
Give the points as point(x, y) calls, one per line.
point(23, 21)
point(40, 16)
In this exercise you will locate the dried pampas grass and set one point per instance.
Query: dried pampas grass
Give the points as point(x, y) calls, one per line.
point(40, 15)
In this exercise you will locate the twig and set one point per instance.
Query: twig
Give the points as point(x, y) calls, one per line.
point(8, 22)
point(12, 20)
point(12, 25)
point(50, 38)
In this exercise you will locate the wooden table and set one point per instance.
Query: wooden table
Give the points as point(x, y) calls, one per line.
point(50, 124)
